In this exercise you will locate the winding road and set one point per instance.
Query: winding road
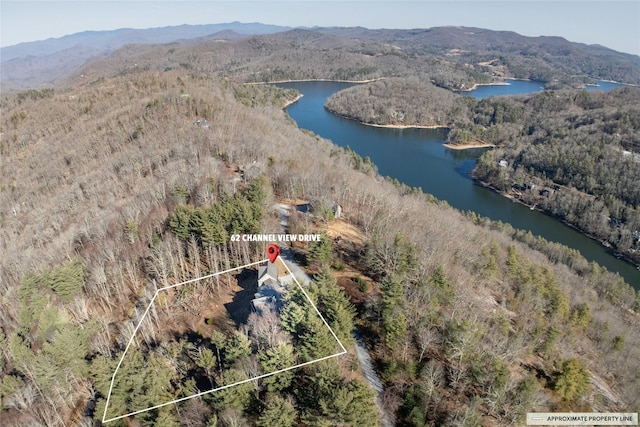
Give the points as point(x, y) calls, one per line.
point(364, 357)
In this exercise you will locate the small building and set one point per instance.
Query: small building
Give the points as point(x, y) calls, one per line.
point(268, 275)
point(263, 305)
point(503, 163)
point(269, 293)
point(547, 192)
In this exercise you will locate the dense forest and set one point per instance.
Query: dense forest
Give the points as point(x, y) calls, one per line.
point(114, 189)
point(574, 154)
point(386, 102)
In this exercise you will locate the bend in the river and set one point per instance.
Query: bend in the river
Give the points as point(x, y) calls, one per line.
point(417, 158)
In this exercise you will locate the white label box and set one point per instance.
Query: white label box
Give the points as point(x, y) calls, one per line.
point(582, 419)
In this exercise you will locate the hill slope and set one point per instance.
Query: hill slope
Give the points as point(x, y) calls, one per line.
point(466, 322)
point(536, 58)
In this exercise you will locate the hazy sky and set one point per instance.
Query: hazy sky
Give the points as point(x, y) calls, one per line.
point(615, 24)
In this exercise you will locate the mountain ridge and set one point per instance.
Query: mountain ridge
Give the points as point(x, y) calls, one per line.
point(122, 36)
point(98, 175)
point(468, 55)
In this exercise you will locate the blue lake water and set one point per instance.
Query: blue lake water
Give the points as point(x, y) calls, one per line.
point(513, 87)
point(417, 158)
point(523, 87)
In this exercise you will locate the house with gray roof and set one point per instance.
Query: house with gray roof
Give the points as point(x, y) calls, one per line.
point(269, 293)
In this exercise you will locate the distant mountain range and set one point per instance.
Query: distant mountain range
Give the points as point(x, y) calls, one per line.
point(354, 52)
point(112, 40)
point(44, 62)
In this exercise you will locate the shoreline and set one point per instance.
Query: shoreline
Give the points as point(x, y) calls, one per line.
point(613, 81)
point(624, 257)
point(468, 146)
point(315, 80)
point(387, 126)
point(397, 126)
point(476, 85)
point(293, 101)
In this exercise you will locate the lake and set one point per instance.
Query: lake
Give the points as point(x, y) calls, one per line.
point(523, 87)
point(417, 158)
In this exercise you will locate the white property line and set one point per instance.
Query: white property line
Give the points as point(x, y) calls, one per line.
point(344, 350)
point(104, 416)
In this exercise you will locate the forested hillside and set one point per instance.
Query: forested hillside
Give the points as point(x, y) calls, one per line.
point(410, 101)
point(292, 55)
point(452, 57)
point(572, 153)
point(113, 189)
point(553, 60)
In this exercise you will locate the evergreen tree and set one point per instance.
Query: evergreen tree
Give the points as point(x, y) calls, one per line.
point(207, 361)
point(405, 251)
point(197, 223)
point(167, 417)
point(275, 359)
point(9, 385)
point(324, 279)
point(69, 348)
point(243, 220)
point(321, 252)
point(67, 281)
point(394, 320)
point(257, 196)
point(278, 412)
point(392, 288)
point(313, 338)
point(237, 347)
point(572, 380)
point(445, 290)
point(581, 316)
point(294, 311)
point(316, 340)
point(334, 305)
point(213, 232)
point(218, 340)
point(394, 323)
point(329, 400)
point(354, 405)
point(237, 396)
point(213, 421)
point(141, 382)
point(180, 222)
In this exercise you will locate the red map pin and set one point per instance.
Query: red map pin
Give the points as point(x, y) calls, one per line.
point(272, 252)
